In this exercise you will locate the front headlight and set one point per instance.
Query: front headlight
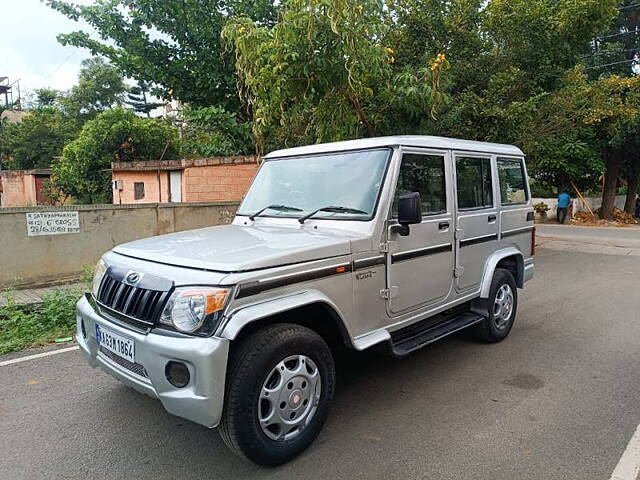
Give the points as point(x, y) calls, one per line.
point(98, 275)
point(195, 309)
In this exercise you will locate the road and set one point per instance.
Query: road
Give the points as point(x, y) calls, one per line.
point(559, 399)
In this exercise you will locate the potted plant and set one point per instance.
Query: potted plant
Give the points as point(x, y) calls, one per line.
point(541, 209)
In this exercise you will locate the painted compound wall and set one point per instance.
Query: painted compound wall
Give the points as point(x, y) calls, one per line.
point(28, 259)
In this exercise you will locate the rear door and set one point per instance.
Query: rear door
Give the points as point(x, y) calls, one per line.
point(420, 266)
point(477, 225)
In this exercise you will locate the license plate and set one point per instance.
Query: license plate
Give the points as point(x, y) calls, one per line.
point(121, 346)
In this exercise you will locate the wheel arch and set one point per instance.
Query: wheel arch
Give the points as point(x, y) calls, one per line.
point(510, 259)
point(311, 309)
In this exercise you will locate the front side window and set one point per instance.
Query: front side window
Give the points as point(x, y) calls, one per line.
point(475, 188)
point(513, 187)
point(351, 180)
point(423, 174)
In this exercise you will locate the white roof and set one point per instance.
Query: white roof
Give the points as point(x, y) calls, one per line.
point(404, 140)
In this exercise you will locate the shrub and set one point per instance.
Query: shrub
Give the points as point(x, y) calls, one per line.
point(24, 326)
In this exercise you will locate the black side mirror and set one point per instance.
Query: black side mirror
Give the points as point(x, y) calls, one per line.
point(409, 212)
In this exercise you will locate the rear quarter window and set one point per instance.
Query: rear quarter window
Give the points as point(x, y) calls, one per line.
point(513, 184)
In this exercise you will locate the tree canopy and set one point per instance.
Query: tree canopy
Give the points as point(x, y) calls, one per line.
point(528, 72)
point(100, 87)
point(84, 170)
point(323, 72)
point(37, 139)
point(171, 44)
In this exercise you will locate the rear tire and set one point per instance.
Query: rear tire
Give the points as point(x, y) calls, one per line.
point(501, 306)
point(279, 391)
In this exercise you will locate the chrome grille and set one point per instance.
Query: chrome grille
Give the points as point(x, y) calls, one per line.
point(123, 362)
point(136, 302)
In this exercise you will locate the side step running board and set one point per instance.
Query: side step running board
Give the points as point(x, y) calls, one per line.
point(418, 335)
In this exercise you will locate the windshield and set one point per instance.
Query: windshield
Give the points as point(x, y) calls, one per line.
point(351, 180)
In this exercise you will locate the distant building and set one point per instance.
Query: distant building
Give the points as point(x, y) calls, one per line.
point(188, 180)
point(23, 188)
point(12, 116)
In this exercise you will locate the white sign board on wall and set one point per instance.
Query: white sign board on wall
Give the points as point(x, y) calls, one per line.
point(52, 223)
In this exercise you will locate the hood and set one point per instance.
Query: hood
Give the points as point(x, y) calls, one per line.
point(236, 248)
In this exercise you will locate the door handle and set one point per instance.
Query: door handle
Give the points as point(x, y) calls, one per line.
point(492, 218)
point(443, 225)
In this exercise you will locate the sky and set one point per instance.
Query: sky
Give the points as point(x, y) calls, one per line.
point(29, 50)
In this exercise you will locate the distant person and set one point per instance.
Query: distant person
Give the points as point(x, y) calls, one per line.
point(564, 199)
point(637, 206)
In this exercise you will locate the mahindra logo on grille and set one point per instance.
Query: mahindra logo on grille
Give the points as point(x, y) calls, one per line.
point(133, 277)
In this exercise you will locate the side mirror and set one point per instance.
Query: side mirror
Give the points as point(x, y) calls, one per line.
point(409, 212)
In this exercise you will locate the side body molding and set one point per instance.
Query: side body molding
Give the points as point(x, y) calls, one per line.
point(493, 261)
point(238, 319)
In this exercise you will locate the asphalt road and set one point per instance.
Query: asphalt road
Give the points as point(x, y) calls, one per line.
point(559, 399)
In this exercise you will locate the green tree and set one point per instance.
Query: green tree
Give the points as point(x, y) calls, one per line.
point(612, 54)
point(46, 97)
point(419, 30)
point(508, 79)
point(610, 107)
point(37, 139)
point(631, 170)
point(170, 43)
point(138, 99)
point(613, 51)
point(100, 87)
point(84, 170)
point(322, 74)
point(212, 131)
point(545, 38)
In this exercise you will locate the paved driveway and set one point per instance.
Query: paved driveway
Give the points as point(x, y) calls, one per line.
point(560, 399)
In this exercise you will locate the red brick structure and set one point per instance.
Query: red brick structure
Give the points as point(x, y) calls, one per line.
point(188, 180)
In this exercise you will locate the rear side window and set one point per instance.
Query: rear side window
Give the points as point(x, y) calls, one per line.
point(423, 174)
point(513, 188)
point(475, 188)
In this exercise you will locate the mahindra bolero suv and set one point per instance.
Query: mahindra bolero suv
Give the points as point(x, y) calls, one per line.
point(390, 243)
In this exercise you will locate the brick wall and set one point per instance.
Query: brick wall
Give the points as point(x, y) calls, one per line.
point(214, 183)
point(203, 179)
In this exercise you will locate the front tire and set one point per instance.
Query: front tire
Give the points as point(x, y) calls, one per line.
point(279, 392)
point(501, 306)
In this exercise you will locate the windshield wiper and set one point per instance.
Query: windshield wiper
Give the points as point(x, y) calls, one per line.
point(279, 208)
point(332, 210)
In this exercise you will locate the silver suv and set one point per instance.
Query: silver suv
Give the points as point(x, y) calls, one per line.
point(390, 243)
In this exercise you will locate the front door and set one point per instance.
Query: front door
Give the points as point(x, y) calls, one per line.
point(477, 218)
point(420, 265)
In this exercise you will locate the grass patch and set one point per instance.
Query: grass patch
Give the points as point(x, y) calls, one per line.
point(26, 326)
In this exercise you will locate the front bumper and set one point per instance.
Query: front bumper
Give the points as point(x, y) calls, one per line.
point(201, 401)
